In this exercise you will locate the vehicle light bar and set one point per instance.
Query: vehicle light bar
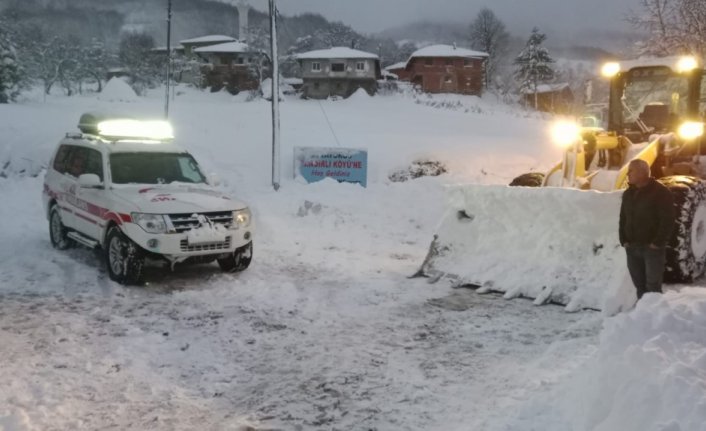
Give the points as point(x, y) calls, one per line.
point(157, 130)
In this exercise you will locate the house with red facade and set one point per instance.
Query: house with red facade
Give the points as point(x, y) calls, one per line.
point(555, 98)
point(447, 69)
point(398, 70)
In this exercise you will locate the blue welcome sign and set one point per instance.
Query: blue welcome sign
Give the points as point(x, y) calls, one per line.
point(342, 164)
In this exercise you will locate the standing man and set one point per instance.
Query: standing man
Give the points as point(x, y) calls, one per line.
point(646, 223)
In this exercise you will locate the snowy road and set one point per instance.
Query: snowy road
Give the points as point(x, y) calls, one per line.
point(279, 347)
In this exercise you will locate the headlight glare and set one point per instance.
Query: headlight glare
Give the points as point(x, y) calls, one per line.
point(691, 130)
point(241, 218)
point(150, 223)
point(566, 133)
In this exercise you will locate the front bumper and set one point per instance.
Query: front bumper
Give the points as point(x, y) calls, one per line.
point(176, 246)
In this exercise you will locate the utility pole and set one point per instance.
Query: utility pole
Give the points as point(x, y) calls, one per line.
point(169, 58)
point(275, 96)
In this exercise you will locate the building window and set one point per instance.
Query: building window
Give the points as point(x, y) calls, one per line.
point(467, 63)
point(449, 62)
point(241, 60)
point(316, 66)
point(316, 86)
point(338, 67)
point(429, 61)
point(360, 66)
point(448, 79)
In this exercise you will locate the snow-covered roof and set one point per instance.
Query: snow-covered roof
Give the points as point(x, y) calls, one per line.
point(214, 38)
point(447, 51)
point(546, 88)
point(338, 52)
point(225, 47)
point(400, 65)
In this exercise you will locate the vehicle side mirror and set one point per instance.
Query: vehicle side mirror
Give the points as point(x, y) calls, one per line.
point(214, 180)
point(89, 181)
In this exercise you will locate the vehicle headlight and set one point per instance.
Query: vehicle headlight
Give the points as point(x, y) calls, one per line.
point(566, 133)
point(691, 130)
point(241, 218)
point(150, 223)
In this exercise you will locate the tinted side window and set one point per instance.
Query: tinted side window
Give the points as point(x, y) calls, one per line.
point(94, 163)
point(61, 158)
point(77, 161)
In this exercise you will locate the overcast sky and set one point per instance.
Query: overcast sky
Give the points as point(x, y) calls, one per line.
point(558, 17)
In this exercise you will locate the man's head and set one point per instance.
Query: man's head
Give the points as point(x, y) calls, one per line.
point(638, 173)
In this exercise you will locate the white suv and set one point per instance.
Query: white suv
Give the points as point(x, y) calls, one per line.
point(122, 185)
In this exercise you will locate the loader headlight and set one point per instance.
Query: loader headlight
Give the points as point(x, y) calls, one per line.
point(687, 64)
point(566, 133)
point(150, 223)
point(241, 218)
point(609, 70)
point(691, 130)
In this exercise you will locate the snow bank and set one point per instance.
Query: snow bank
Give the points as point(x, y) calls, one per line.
point(648, 374)
point(118, 90)
point(650, 369)
point(359, 94)
point(549, 244)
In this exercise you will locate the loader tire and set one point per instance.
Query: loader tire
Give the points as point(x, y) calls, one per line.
point(532, 179)
point(686, 251)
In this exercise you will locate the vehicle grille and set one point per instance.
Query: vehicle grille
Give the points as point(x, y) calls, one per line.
point(184, 222)
point(213, 246)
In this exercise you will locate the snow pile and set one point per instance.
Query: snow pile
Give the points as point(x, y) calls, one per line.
point(551, 244)
point(649, 373)
point(359, 94)
point(118, 90)
point(266, 87)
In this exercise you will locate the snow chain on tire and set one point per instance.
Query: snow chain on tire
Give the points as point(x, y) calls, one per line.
point(133, 258)
point(686, 251)
point(57, 230)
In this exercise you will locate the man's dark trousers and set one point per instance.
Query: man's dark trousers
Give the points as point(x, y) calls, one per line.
point(646, 267)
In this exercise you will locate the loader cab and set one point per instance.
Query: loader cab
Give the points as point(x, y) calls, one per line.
point(655, 96)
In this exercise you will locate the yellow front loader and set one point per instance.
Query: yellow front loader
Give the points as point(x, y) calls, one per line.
point(554, 238)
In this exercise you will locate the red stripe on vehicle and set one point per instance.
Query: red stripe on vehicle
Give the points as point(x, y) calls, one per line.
point(113, 217)
point(126, 218)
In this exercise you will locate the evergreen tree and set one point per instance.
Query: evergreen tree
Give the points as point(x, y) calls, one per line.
point(534, 64)
point(488, 34)
point(10, 71)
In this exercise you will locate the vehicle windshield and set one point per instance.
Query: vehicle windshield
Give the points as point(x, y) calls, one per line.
point(657, 96)
point(154, 168)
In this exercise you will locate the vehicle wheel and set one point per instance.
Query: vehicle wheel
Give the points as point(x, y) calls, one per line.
point(57, 230)
point(532, 179)
point(238, 261)
point(686, 251)
point(123, 257)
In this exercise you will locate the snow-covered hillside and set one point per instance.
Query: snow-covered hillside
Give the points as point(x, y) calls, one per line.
point(324, 331)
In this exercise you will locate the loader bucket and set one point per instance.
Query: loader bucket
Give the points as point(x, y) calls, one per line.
point(551, 244)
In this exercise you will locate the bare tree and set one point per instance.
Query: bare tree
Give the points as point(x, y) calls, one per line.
point(673, 26)
point(488, 34)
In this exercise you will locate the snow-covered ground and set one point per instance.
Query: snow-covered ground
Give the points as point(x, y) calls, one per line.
point(324, 330)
